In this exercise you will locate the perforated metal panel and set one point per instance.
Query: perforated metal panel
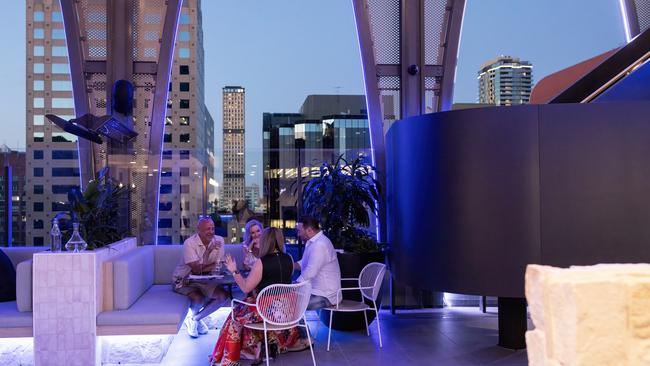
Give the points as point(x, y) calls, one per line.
point(643, 14)
point(434, 17)
point(92, 22)
point(384, 24)
point(147, 22)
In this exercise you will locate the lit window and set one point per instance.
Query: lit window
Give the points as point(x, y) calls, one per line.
point(39, 136)
point(185, 120)
point(168, 121)
point(63, 137)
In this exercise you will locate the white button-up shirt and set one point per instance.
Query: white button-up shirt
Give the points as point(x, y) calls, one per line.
point(320, 266)
point(193, 250)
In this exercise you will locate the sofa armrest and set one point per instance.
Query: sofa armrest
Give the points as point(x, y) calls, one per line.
point(24, 286)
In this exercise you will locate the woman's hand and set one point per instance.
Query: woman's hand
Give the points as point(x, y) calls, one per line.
point(231, 264)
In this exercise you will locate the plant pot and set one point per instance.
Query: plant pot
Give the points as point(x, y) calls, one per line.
point(351, 265)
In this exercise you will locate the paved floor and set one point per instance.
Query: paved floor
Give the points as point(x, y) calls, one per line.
point(449, 336)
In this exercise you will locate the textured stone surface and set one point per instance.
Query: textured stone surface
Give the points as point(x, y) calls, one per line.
point(135, 349)
point(589, 315)
point(17, 352)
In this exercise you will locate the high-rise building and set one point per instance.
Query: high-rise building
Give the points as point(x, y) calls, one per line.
point(52, 166)
point(234, 102)
point(505, 80)
point(15, 160)
point(296, 144)
point(253, 196)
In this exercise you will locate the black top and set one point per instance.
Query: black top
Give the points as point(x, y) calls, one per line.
point(8, 278)
point(276, 268)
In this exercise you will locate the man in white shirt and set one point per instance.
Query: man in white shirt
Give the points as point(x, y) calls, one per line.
point(319, 264)
point(201, 253)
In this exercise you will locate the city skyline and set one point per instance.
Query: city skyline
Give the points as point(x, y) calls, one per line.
point(276, 63)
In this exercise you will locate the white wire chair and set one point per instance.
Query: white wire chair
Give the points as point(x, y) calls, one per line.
point(370, 280)
point(281, 307)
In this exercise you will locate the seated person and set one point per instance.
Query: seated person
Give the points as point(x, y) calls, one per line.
point(274, 266)
point(251, 244)
point(201, 253)
point(319, 264)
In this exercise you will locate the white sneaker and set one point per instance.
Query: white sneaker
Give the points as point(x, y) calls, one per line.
point(192, 326)
point(202, 328)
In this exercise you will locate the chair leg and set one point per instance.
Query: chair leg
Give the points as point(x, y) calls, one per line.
point(311, 349)
point(329, 333)
point(378, 327)
point(317, 324)
point(266, 346)
point(365, 317)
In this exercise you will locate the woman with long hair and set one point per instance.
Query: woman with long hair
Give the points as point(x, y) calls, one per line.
point(251, 243)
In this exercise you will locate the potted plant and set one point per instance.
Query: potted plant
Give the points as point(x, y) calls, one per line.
point(343, 197)
point(97, 210)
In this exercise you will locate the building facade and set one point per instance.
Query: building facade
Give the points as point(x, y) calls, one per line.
point(234, 103)
point(52, 164)
point(15, 160)
point(296, 144)
point(505, 80)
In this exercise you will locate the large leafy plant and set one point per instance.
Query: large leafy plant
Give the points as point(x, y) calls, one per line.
point(343, 197)
point(97, 211)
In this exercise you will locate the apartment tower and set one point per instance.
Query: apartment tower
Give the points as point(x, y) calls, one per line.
point(505, 80)
point(234, 98)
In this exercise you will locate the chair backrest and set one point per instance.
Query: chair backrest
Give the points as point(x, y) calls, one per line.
point(372, 276)
point(282, 304)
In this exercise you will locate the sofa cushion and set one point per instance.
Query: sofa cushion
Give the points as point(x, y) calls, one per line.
point(7, 278)
point(10, 317)
point(132, 276)
point(166, 258)
point(157, 306)
point(24, 285)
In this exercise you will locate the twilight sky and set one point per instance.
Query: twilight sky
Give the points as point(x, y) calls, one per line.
point(283, 50)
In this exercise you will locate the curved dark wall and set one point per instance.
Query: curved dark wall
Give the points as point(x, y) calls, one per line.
point(476, 195)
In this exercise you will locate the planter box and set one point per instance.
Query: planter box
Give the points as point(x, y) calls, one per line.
point(68, 293)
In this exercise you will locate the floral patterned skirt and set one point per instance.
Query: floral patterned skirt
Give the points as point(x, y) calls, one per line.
point(235, 341)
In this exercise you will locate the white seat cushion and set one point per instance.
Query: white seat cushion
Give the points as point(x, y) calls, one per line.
point(159, 305)
point(349, 306)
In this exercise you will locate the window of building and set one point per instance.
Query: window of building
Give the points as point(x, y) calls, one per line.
point(60, 68)
point(62, 188)
point(39, 51)
point(65, 172)
point(184, 87)
point(38, 207)
point(60, 51)
point(168, 121)
point(38, 224)
point(64, 154)
point(39, 103)
point(38, 189)
point(39, 33)
point(184, 137)
point(185, 188)
point(185, 172)
point(39, 85)
point(67, 103)
point(184, 52)
point(184, 120)
point(39, 16)
point(61, 85)
point(164, 239)
point(184, 70)
point(185, 19)
point(185, 104)
point(38, 240)
point(38, 154)
point(164, 223)
point(39, 68)
point(167, 155)
point(166, 173)
point(58, 33)
point(170, 87)
point(165, 188)
point(167, 137)
point(170, 103)
point(185, 154)
point(63, 137)
point(184, 36)
point(164, 206)
point(60, 206)
point(39, 136)
point(185, 221)
point(57, 16)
